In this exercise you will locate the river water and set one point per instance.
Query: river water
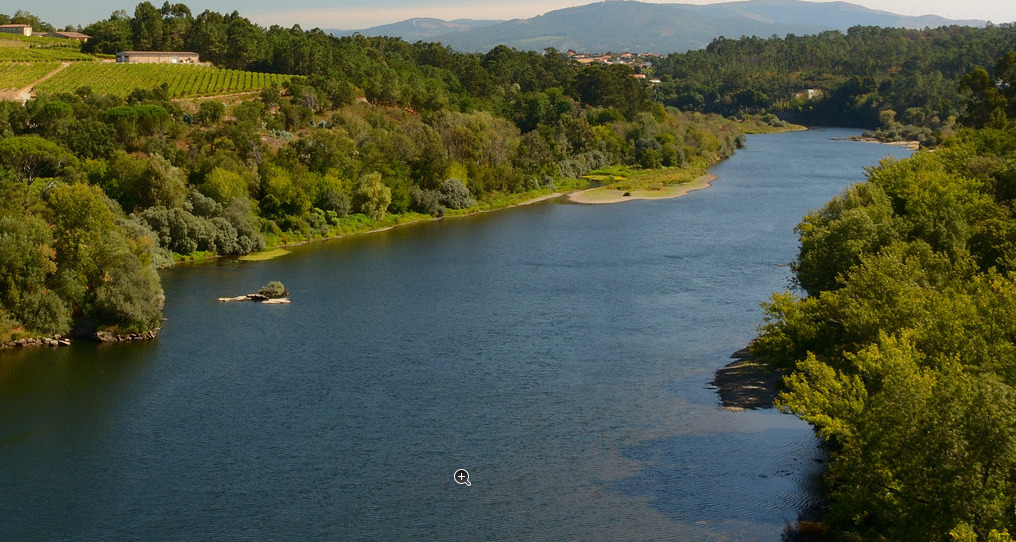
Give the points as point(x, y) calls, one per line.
point(560, 353)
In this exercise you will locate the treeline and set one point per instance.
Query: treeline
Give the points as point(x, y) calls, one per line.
point(422, 76)
point(904, 349)
point(903, 82)
point(24, 17)
point(378, 129)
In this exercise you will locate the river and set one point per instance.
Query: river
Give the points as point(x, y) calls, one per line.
point(559, 353)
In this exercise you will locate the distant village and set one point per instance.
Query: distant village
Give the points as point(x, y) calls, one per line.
point(642, 63)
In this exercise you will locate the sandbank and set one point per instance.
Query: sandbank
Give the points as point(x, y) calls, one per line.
point(594, 196)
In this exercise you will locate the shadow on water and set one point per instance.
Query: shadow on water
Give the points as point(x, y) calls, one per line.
point(746, 482)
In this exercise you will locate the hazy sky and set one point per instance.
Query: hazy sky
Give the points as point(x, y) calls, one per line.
point(356, 14)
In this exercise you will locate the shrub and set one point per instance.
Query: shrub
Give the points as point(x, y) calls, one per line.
point(273, 289)
point(455, 195)
point(425, 201)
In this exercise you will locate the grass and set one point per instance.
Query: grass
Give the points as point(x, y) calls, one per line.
point(645, 180)
point(197, 255)
point(262, 256)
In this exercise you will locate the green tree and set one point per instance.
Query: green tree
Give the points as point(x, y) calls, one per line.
point(371, 197)
point(147, 27)
point(31, 156)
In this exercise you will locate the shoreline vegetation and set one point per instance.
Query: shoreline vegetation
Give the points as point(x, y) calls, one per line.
point(665, 183)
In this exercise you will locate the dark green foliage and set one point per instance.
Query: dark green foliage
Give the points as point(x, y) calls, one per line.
point(43, 311)
point(455, 195)
point(129, 296)
point(182, 232)
point(426, 201)
point(31, 156)
point(371, 197)
point(857, 75)
point(210, 112)
point(68, 255)
point(331, 198)
point(273, 290)
point(905, 349)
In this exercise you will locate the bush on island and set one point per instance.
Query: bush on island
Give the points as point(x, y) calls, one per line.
point(273, 290)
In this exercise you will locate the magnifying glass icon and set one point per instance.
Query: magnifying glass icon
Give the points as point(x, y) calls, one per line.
point(461, 476)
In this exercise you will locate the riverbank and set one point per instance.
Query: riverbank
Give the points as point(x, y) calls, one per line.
point(275, 250)
point(575, 191)
point(56, 341)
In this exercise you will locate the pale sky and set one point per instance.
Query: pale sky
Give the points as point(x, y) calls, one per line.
point(358, 14)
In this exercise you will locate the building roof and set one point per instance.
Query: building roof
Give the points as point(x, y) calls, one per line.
point(15, 26)
point(157, 53)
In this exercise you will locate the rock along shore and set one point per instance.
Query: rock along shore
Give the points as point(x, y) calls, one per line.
point(65, 340)
point(747, 383)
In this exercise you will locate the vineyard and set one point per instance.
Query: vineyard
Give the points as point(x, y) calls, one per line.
point(16, 75)
point(38, 54)
point(184, 81)
point(14, 48)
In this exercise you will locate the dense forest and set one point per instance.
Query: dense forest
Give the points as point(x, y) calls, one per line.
point(900, 83)
point(904, 348)
point(100, 190)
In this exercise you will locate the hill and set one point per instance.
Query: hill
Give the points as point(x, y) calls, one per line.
point(419, 29)
point(656, 28)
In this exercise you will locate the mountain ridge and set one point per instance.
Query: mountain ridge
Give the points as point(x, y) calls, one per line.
point(626, 25)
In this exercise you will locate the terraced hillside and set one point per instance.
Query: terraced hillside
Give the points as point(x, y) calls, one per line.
point(185, 81)
point(25, 61)
point(15, 48)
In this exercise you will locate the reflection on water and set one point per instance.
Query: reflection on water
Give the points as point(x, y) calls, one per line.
point(559, 353)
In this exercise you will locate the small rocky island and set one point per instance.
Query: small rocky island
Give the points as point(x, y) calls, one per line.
point(273, 293)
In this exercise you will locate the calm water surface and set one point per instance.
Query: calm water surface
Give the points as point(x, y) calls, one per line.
point(560, 353)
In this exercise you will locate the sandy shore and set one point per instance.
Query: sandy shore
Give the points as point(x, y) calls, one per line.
point(595, 196)
point(911, 145)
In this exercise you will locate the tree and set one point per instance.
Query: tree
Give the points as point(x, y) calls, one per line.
point(857, 222)
point(371, 197)
point(138, 183)
point(110, 36)
point(210, 112)
point(147, 27)
point(81, 215)
point(223, 186)
point(455, 195)
point(129, 296)
point(208, 37)
point(31, 156)
point(24, 17)
point(176, 23)
point(983, 100)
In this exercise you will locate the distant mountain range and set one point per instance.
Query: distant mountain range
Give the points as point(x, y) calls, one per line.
point(651, 28)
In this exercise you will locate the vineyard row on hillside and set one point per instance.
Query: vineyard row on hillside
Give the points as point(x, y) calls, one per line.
point(17, 75)
point(184, 81)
